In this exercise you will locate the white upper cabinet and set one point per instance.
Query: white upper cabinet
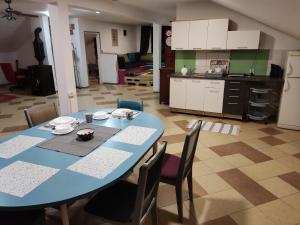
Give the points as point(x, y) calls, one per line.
point(180, 35)
point(198, 34)
point(248, 39)
point(217, 34)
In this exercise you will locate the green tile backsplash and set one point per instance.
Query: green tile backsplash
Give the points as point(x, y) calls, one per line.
point(187, 58)
point(242, 60)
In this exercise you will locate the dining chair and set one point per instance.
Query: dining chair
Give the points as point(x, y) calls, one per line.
point(31, 217)
point(175, 169)
point(40, 113)
point(130, 203)
point(131, 104)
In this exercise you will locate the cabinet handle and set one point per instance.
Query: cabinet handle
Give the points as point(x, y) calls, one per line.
point(196, 81)
point(233, 96)
point(242, 47)
point(216, 48)
point(215, 82)
point(234, 89)
point(177, 80)
point(234, 82)
point(212, 91)
point(232, 103)
point(178, 48)
point(197, 48)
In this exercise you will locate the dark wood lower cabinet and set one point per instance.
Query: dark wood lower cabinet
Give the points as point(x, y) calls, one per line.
point(164, 84)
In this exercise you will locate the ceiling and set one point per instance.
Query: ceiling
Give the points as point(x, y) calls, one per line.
point(103, 16)
point(164, 7)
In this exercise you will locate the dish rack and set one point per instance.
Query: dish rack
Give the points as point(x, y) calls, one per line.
point(259, 104)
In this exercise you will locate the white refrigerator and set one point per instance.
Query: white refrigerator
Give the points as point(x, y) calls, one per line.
point(289, 112)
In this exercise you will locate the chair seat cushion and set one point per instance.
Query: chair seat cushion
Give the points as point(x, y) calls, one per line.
point(170, 166)
point(114, 203)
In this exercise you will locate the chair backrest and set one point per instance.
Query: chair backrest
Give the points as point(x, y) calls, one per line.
point(148, 185)
point(189, 149)
point(8, 72)
point(130, 104)
point(40, 113)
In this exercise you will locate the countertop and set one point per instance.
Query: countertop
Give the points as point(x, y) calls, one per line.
point(254, 78)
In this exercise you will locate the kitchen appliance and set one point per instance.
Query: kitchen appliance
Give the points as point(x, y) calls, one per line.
point(289, 112)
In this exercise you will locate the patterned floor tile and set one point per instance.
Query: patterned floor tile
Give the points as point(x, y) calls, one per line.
point(292, 178)
point(225, 220)
point(265, 170)
point(270, 130)
point(251, 217)
point(272, 140)
point(293, 200)
point(297, 155)
point(251, 190)
point(212, 183)
point(6, 116)
point(280, 213)
point(14, 128)
point(241, 148)
point(216, 205)
point(166, 112)
point(171, 139)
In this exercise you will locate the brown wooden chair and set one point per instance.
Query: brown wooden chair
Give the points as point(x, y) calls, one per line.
point(176, 169)
point(130, 203)
point(40, 113)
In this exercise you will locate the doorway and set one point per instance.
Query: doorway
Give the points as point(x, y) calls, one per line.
point(92, 49)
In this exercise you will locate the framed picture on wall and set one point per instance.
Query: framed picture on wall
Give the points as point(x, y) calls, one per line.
point(114, 37)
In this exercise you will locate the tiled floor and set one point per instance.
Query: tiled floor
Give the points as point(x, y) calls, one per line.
point(250, 179)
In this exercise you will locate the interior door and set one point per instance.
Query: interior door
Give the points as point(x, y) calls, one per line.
point(289, 113)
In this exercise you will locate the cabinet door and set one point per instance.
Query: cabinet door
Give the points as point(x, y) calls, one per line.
point(198, 34)
point(177, 93)
point(194, 94)
point(243, 39)
point(180, 35)
point(213, 95)
point(217, 34)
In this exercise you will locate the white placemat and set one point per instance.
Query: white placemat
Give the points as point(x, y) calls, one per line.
point(134, 135)
point(100, 162)
point(18, 144)
point(20, 178)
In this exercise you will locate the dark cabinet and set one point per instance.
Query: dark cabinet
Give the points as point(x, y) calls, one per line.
point(42, 80)
point(164, 84)
point(234, 98)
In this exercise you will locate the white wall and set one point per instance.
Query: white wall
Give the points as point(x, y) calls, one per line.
point(272, 39)
point(7, 57)
point(125, 43)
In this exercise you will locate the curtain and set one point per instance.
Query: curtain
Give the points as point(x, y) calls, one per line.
point(146, 34)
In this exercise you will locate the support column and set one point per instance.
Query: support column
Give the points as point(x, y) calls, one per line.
point(62, 52)
point(156, 55)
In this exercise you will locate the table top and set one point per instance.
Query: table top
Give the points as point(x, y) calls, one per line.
point(66, 185)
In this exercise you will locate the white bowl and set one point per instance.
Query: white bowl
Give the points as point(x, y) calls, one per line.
point(62, 120)
point(100, 115)
point(121, 112)
point(63, 128)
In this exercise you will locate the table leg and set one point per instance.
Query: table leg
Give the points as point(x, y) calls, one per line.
point(64, 214)
point(155, 147)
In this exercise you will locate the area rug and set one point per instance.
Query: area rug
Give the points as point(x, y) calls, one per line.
point(7, 98)
point(217, 127)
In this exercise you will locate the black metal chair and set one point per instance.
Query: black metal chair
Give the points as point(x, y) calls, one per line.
point(175, 169)
point(40, 113)
point(130, 203)
point(31, 217)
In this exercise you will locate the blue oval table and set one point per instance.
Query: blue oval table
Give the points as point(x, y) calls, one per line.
point(67, 186)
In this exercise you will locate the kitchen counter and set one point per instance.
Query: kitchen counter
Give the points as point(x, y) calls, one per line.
point(254, 78)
